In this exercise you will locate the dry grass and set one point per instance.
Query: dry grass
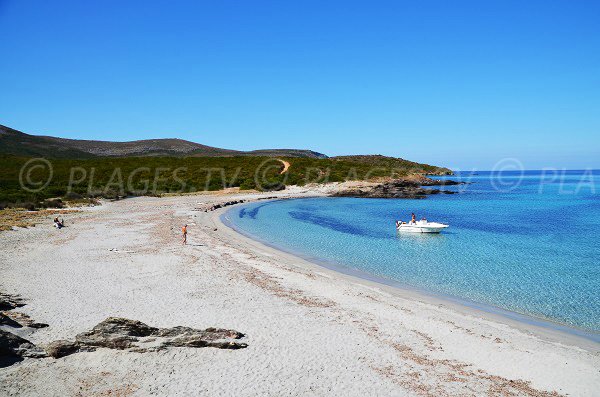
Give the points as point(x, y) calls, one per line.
point(11, 217)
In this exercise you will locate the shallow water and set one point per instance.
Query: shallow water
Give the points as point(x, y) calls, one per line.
point(525, 243)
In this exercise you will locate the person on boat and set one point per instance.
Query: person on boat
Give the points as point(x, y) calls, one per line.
point(413, 219)
point(184, 232)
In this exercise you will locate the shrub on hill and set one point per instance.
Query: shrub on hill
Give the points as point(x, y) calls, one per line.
point(23, 180)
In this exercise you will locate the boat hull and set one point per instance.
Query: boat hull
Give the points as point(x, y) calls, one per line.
point(431, 228)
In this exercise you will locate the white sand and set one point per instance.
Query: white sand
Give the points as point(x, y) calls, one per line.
point(310, 331)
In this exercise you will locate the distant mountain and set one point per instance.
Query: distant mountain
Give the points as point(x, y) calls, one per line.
point(21, 144)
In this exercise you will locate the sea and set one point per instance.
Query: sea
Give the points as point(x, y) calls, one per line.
point(522, 243)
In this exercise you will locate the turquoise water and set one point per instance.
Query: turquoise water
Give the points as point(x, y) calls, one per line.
point(525, 243)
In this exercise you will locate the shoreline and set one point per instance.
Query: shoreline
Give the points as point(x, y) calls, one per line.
point(544, 328)
point(307, 329)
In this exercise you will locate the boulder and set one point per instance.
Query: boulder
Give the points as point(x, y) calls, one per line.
point(123, 334)
point(131, 335)
point(9, 302)
point(12, 345)
point(115, 333)
point(61, 348)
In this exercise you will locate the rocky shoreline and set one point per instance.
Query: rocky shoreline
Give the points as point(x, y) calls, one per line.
point(409, 188)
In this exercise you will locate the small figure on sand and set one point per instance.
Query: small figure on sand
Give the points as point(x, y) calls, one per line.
point(184, 232)
point(59, 224)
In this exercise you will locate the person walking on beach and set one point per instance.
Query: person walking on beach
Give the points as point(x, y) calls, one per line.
point(184, 232)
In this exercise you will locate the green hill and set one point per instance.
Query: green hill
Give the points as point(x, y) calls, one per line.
point(112, 169)
point(18, 143)
point(125, 176)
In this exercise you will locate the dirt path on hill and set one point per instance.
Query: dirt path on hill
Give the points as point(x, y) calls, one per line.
point(286, 166)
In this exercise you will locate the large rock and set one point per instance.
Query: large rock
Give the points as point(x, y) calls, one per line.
point(124, 334)
point(12, 318)
point(9, 302)
point(61, 348)
point(210, 337)
point(12, 345)
point(115, 333)
point(6, 320)
point(19, 320)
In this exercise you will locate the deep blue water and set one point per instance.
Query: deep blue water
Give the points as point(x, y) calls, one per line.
point(525, 243)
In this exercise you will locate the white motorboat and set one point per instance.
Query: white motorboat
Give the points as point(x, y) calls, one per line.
point(420, 227)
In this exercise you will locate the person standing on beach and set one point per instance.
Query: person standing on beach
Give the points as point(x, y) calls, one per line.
point(184, 232)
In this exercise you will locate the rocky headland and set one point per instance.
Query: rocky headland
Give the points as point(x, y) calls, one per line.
point(412, 187)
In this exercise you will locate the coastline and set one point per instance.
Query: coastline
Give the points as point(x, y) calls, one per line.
point(545, 328)
point(309, 330)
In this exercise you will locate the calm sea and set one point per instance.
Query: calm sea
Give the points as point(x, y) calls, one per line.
point(524, 242)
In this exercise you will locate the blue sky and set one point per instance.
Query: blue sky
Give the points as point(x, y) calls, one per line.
point(456, 83)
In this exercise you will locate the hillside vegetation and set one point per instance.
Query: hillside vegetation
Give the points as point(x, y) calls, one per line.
point(23, 180)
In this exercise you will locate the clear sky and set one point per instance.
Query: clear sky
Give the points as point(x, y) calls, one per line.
point(456, 83)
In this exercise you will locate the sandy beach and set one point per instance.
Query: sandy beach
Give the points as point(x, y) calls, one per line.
point(309, 330)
